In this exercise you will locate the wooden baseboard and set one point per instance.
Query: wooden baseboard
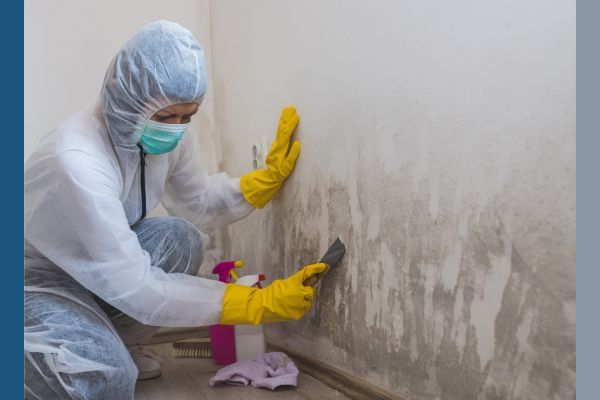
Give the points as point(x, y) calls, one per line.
point(341, 381)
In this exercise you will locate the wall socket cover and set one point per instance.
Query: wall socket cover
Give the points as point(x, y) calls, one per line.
point(260, 149)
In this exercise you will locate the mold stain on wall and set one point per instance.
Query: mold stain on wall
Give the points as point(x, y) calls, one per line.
point(429, 304)
point(445, 161)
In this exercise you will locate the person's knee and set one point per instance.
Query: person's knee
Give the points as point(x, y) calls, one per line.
point(76, 355)
point(187, 231)
point(121, 379)
point(174, 244)
point(114, 377)
point(191, 242)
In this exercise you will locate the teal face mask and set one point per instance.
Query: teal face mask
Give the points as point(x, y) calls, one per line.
point(160, 138)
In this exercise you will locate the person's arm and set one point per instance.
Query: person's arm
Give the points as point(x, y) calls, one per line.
point(75, 218)
point(219, 200)
point(205, 200)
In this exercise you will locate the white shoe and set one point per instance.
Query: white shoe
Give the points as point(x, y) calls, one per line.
point(146, 363)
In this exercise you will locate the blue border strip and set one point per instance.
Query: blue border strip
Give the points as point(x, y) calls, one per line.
point(11, 104)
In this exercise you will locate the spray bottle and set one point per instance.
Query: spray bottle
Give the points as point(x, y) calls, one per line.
point(232, 343)
point(222, 337)
point(249, 339)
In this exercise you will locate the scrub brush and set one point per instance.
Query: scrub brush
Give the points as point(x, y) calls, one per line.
point(192, 348)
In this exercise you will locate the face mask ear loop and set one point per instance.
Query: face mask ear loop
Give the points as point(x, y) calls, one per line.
point(142, 128)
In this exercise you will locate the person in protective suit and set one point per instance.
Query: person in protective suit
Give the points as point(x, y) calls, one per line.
point(100, 277)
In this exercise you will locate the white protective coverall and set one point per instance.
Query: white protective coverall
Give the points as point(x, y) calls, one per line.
point(86, 187)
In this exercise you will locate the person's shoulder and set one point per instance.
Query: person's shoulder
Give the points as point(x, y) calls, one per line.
point(77, 146)
point(83, 130)
point(71, 168)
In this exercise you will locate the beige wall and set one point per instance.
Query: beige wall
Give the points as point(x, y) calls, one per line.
point(69, 44)
point(439, 141)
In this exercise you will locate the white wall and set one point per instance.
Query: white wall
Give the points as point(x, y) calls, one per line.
point(439, 141)
point(70, 43)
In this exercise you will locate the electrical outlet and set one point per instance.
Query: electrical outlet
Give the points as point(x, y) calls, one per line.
point(260, 149)
point(256, 155)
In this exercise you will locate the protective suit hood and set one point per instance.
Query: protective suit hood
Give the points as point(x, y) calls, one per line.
point(160, 66)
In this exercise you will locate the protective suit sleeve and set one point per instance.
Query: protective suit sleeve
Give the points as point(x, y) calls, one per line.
point(78, 222)
point(208, 201)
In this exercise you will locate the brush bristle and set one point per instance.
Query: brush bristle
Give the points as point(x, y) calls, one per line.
point(192, 349)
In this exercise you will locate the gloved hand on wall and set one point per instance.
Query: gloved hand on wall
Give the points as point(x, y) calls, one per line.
point(282, 300)
point(259, 186)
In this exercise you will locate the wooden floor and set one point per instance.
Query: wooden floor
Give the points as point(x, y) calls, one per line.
point(187, 378)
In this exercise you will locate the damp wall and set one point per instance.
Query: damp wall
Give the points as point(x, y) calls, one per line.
point(439, 142)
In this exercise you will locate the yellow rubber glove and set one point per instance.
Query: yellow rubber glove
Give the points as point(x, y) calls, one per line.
point(259, 186)
point(282, 300)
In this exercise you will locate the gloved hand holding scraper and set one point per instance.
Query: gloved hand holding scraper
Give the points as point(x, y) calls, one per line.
point(333, 255)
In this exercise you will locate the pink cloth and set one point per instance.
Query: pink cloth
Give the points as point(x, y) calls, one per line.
point(269, 370)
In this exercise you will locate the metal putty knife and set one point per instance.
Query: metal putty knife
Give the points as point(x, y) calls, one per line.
point(333, 255)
